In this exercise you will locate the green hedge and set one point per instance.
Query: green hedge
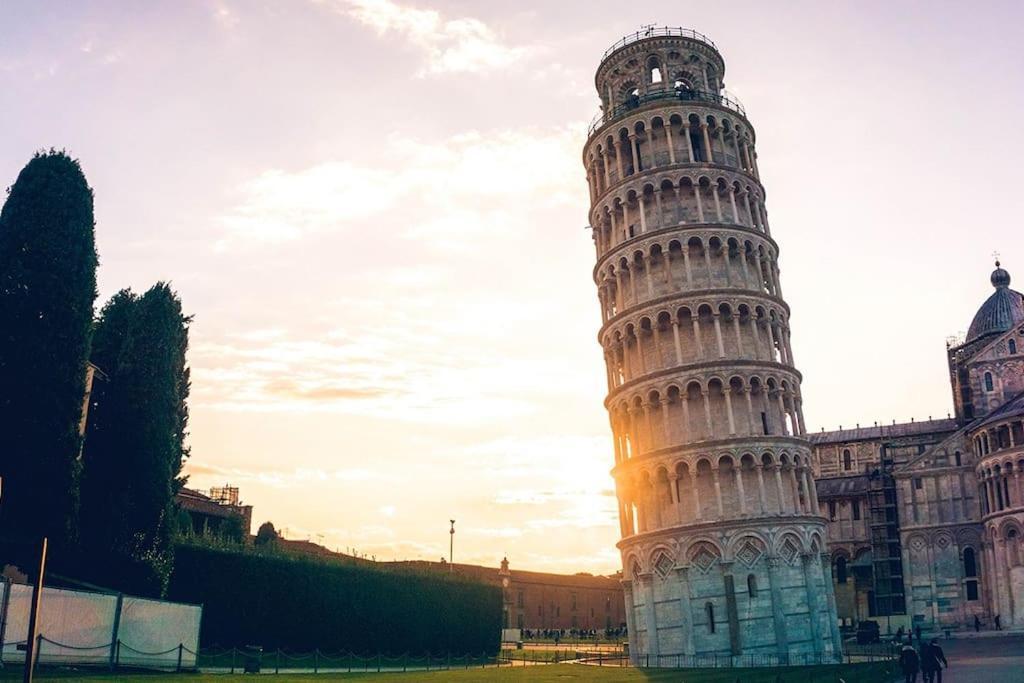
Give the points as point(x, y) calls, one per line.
point(298, 603)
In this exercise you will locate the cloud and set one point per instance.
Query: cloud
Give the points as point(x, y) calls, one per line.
point(438, 190)
point(206, 473)
point(463, 45)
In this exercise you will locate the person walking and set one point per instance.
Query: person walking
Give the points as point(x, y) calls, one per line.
point(899, 635)
point(917, 630)
point(999, 627)
point(932, 661)
point(977, 623)
point(909, 663)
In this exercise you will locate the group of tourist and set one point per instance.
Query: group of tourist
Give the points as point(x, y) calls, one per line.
point(928, 659)
point(557, 634)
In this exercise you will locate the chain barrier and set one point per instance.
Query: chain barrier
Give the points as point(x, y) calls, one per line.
point(255, 660)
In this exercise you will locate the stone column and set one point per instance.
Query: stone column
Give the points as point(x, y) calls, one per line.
point(643, 213)
point(707, 143)
point(618, 159)
point(732, 202)
point(814, 612)
point(727, 392)
point(634, 651)
point(762, 499)
point(738, 470)
point(718, 203)
point(826, 578)
point(796, 489)
point(696, 495)
point(640, 353)
point(696, 335)
point(718, 492)
point(668, 141)
point(685, 400)
point(718, 335)
point(750, 410)
point(686, 264)
point(778, 485)
point(736, 329)
point(675, 340)
point(686, 609)
point(635, 147)
point(707, 413)
point(778, 611)
point(689, 143)
point(700, 204)
point(757, 336)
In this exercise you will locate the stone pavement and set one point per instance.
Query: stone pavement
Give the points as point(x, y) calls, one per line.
point(993, 659)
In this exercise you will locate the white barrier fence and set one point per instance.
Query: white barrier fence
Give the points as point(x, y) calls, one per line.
point(81, 627)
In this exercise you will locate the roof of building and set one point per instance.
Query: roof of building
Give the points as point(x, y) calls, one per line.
point(491, 574)
point(832, 487)
point(892, 431)
point(1012, 408)
point(195, 501)
point(1001, 311)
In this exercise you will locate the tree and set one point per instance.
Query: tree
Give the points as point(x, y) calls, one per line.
point(47, 290)
point(135, 442)
point(266, 534)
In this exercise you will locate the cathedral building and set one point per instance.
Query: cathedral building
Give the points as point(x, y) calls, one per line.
point(723, 543)
point(926, 519)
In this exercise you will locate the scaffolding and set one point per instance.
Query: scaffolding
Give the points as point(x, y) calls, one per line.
point(888, 597)
point(225, 495)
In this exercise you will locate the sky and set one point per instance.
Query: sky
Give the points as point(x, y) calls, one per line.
point(375, 211)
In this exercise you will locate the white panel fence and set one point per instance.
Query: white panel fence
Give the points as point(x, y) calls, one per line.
point(81, 627)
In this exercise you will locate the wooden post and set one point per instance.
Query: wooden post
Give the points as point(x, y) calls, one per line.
point(117, 627)
point(181, 646)
point(32, 644)
point(6, 602)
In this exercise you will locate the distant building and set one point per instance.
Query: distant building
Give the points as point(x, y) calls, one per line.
point(926, 519)
point(209, 513)
point(540, 600)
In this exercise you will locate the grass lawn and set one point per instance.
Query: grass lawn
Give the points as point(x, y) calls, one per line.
point(855, 673)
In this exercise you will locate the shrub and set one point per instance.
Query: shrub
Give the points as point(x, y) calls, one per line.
point(298, 603)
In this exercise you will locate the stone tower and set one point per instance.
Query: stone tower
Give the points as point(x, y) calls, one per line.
point(722, 541)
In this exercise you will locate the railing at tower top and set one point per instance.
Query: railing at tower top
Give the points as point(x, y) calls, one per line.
point(656, 32)
point(723, 99)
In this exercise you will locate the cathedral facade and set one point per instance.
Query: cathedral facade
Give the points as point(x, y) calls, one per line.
point(723, 543)
point(926, 519)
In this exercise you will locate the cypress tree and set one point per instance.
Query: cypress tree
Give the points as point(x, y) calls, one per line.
point(47, 290)
point(135, 443)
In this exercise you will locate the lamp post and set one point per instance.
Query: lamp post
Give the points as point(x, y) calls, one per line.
point(451, 545)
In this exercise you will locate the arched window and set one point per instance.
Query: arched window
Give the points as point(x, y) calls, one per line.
point(970, 567)
point(840, 570)
point(1013, 346)
point(751, 586)
point(970, 574)
point(847, 460)
point(655, 75)
point(709, 609)
point(988, 381)
point(1012, 548)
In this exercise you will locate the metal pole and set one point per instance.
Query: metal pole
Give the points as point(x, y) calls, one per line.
point(451, 546)
point(31, 645)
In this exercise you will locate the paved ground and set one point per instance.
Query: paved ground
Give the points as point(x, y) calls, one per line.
point(984, 660)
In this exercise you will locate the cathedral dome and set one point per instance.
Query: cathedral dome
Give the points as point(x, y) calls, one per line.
point(1001, 311)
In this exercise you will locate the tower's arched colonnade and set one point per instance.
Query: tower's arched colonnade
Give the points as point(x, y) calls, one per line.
point(999, 441)
point(723, 548)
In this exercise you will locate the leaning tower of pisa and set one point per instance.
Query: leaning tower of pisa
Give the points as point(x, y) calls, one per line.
point(722, 541)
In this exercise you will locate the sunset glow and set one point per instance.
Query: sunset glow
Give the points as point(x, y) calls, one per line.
point(376, 212)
